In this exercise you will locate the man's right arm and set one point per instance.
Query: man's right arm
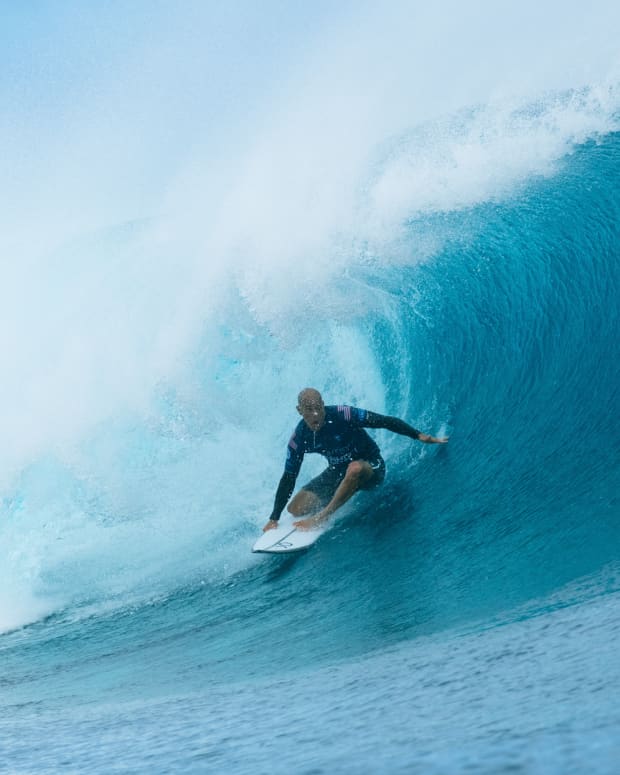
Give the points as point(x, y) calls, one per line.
point(294, 458)
point(283, 493)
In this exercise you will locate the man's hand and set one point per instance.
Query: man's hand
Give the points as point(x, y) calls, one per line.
point(432, 439)
point(311, 523)
point(271, 525)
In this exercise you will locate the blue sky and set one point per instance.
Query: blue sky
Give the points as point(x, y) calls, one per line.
point(106, 104)
point(136, 86)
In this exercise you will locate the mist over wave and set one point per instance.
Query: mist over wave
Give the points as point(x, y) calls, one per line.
point(169, 284)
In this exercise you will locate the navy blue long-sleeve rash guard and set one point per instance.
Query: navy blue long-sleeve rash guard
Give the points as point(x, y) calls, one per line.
point(341, 439)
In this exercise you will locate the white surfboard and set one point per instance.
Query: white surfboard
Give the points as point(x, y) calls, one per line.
point(286, 538)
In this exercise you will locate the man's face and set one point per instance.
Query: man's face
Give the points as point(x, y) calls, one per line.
point(312, 409)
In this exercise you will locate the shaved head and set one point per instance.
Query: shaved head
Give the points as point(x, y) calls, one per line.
point(309, 396)
point(311, 408)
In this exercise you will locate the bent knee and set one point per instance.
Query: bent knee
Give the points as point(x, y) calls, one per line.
point(358, 469)
point(294, 509)
point(303, 503)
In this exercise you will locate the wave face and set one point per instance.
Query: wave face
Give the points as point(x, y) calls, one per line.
point(457, 267)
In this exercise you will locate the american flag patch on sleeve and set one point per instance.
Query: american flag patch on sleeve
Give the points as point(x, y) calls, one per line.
point(346, 411)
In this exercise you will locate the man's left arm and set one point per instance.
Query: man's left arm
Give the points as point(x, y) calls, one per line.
point(396, 425)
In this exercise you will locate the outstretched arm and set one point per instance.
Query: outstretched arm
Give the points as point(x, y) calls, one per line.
point(283, 493)
point(394, 424)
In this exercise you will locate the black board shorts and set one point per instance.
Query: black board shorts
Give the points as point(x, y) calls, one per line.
point(326, 483)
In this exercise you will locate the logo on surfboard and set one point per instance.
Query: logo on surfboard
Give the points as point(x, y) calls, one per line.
point(284, 544)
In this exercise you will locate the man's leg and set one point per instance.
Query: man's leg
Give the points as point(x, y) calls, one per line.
point(314, 495)
point(305, 502)
point(358, 473)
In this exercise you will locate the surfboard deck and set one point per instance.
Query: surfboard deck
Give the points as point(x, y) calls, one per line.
point(286, 539)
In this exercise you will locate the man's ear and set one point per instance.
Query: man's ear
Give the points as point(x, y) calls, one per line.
point(299, 410)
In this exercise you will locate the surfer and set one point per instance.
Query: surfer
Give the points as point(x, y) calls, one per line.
point(354, 459)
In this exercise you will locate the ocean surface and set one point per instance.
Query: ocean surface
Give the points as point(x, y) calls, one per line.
point(459, 269)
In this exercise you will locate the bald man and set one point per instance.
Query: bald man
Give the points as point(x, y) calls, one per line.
point(354, 459)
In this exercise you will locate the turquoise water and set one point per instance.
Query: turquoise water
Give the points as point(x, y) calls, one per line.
point(463, 274)
point(465, 615)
